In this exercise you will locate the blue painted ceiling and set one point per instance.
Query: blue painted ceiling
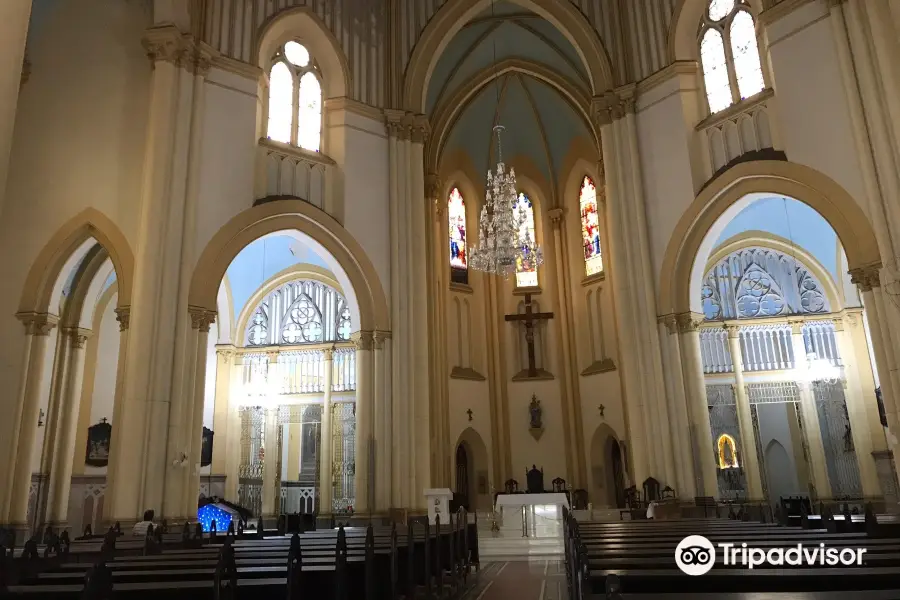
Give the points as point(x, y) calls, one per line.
point(540, 123)
point(792, 220)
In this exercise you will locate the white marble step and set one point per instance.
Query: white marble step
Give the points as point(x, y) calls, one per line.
point(506, 547)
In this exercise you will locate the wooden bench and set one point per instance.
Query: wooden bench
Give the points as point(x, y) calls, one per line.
point(370, 564)
point(639, 558)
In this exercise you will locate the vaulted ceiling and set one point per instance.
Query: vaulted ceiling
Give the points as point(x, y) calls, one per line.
point(541, 123)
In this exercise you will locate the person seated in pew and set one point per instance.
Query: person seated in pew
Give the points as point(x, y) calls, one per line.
point(140, 528)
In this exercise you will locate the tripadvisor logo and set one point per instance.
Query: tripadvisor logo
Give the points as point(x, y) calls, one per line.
point(696, 555)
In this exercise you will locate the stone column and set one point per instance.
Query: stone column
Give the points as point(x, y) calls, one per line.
point(362, 480)
point(695, 387)
point(855, 329)
point(326, 459)
point(14, 18)
point(221, 440)
point(21, 446)
point(271, 477)
point(64, 444)
point(749, 459)
point(123, 316)
point(818, 467)
point(382, 454)
point(856, 411)
point(679, 419)
point(201, 321)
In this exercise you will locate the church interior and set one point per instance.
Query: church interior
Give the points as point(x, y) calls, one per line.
point(551, 269)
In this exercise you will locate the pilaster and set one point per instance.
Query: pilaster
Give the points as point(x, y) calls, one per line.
point(14, 21)
point(20, 456)
point(695, 386)
point(326, 460)
point(364, 480)
point(678, 410)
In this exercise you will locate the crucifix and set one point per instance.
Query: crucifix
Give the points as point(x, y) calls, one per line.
point(528, 318)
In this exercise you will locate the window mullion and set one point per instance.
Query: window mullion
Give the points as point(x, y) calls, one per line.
point(295, 110)
point(729, 61)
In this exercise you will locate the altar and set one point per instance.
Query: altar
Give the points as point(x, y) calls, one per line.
point(532, 515)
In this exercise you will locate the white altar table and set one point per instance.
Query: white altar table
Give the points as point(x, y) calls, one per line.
point(532, 515)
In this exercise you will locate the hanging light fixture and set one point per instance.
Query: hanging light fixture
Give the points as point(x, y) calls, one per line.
point(502, 243)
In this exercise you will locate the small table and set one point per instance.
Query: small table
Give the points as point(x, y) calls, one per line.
point(533, 515)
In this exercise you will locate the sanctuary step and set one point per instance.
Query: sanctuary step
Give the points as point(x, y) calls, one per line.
point(505, 547)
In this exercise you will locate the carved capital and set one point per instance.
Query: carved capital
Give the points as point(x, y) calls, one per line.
point(688, 322)
point(78, 337)
point(852, 319)
point(328, 353)
point(866, 277)
point(394, 124)
point(201, 318)
point(379, 337)
point(432, 186)
point(556, 216)
point(364, 340)
point(420, 129)
point(670, 322)
point(168, 44)
point(838, 323)
point(796, 326)
point(612, 105)
point(123, 316)
point(734, 332)
point(38, 324)
point(226, 354)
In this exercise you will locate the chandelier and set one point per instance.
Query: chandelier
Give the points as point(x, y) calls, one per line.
point(504, 238)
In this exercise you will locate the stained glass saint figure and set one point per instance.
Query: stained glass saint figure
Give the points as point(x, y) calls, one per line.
point(526, 268)
point(456, 215)
point(590, 227)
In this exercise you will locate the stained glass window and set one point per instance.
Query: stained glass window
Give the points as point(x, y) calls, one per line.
point(590, 227)
point(747, 67)
point(729, 54)
point(456, 215)
point(526, 270)
point(295, 98)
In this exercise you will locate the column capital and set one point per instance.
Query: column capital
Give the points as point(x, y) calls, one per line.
point(167, 44)
point(556, 216)
point(379, 337)
point(78, 337)
point(420, 129)
point(328, 353)
point(123, 316)
point(734, 331)
point(853, 317)
point(688, 321)
point(226, 353)
point(364, 340)
point(796, 324)
point(394, 123)
point(272, 356)
point(838, 323)
point(866, 278)
point(38, 324)
point(612, 105)
point(201, 318)
point(669, 321)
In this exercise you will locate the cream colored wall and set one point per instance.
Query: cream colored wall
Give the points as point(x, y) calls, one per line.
point(359, 145)
point(465, 395)
point(227, 167)
point(814, 115)
point(79, 142)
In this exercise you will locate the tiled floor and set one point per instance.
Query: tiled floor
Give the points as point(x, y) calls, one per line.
point(539, 580)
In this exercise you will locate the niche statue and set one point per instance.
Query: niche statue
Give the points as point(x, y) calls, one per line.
point(537, 425)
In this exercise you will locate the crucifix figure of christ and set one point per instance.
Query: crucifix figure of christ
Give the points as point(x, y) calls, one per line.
point(528, 318)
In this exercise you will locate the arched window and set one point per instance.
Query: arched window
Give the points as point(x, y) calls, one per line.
point(729, 54)
point(295, 98)
point(299, 312)
point(590, 227)
point(526, 270)
point(456, 215)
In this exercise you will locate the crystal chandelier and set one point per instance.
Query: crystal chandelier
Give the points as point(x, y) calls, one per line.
point(504, 240)
point(820, 370)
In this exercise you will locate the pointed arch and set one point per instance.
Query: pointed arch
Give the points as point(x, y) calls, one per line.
point(88, 224)
point(452, 16)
